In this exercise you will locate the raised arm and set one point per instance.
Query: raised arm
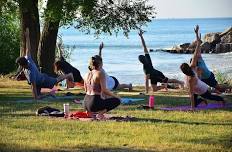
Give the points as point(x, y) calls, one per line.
point(198, 49)
point(191, 94)
point(28, 44)
point(100, 49)
point(147, 77)
point(143, 42)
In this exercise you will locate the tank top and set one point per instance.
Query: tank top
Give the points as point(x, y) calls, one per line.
point(206, 72)
point(93, 86)
point(200, 87)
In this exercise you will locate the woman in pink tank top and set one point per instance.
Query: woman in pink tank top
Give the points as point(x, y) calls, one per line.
point(95, 86)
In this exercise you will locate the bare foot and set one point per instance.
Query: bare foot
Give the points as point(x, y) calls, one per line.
point(100, 117)
point(165, 85)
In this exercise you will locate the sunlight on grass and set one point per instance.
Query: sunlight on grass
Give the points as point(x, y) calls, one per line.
point(156, 130)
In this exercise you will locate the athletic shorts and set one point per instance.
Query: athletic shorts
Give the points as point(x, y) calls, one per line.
point(158, 76)
point(211, 81)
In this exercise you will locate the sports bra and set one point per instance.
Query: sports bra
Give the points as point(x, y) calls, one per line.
point(95, 87)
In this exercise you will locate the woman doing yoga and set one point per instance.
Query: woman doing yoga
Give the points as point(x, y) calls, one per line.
point(95, 85)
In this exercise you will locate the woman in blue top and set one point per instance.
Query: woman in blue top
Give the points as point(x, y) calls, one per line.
point(206, 75)
point(36, 79)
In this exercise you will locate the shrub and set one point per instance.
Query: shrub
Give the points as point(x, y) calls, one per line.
point(223, 78)
point(9, 43)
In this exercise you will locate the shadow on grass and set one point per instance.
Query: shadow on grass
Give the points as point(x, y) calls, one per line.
point(224, 141)
point(19, 148)
point(176, 122)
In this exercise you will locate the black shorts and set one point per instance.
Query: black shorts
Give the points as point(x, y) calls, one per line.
point(211, 81)
point(116, 82)
point(157, 76)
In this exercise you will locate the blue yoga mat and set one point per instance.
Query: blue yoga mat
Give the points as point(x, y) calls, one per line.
point(130, 100)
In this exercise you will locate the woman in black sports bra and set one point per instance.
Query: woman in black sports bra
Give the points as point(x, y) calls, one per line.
point(151, 73)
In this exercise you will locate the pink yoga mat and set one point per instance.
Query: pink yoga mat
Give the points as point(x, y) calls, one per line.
point(199, 107)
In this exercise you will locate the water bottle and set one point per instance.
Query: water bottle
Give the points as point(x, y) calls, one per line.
point(66, 109)
point(151, 102)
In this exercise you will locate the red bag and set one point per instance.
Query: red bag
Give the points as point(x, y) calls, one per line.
point(79, 114)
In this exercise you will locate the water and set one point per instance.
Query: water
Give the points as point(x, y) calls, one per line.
point(120, 54)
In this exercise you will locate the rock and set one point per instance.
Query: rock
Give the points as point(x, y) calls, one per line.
point(227, 38)
point(185, 45)
point(220, 42)
point(205, 47)
point(223, 48)
point(210, 37)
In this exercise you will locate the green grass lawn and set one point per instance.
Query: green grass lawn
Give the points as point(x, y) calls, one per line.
point(22, 130)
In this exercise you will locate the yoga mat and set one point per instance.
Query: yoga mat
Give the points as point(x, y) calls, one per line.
point(123, 100)
point(48, 98)
point(199, 107)
point(130, 100)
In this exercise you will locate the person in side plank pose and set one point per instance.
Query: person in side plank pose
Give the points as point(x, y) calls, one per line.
point(151, 73)
point(195, 85)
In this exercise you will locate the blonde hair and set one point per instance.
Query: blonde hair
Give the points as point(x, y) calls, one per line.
point(95, 62)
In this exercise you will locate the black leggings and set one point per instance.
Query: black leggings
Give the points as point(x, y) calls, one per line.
point(206, 95)
point(94, 103)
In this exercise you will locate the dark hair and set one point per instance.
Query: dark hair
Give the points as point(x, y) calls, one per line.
point(63, 66)
point(142, 59)
point(187, 70)
point(22, 61)
point(94, 62)
point(58, 65)
point(98, 57)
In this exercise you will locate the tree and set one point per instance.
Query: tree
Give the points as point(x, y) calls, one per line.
point(9, 36)
point(29, 18)
point(47, 46)
point(103, 16)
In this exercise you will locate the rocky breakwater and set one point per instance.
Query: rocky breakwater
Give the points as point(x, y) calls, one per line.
point(220, 42)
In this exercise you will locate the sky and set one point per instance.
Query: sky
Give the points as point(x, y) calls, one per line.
point(192, 8)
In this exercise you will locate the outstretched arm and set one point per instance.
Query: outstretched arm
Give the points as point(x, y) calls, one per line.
point(147, 83)
point(34, 91)
point(191, 94)
point(100, 49)
point(28, 44)
point(143, 41)
point(198, 49)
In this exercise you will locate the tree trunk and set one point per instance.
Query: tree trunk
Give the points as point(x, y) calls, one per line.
point(29, 18)
point(47, 45)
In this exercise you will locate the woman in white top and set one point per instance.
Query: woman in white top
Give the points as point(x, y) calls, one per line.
point(112, 83)
point(195, 85)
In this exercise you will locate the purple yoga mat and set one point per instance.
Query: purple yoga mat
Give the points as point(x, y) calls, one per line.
point(199, 107)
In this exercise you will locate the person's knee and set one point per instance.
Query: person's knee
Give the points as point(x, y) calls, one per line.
point(116, 102)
